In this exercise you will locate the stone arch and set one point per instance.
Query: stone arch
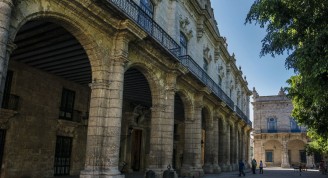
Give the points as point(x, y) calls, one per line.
point(274, 148)
point(187, 103)
point(296, 152)
point(155, 82)
point(80, 30)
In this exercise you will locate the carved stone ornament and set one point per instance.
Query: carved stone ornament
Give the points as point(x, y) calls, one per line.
point(207, 55)
point(221, 71)
point(217, 54)
point(184, 27)
point(5, 116)
point(66, 128)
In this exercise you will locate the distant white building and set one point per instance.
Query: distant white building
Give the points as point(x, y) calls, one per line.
point(278, 139)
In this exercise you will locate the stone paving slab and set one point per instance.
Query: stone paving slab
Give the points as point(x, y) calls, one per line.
point(272, 173)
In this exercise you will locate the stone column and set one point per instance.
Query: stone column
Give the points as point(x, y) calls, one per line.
point(232, 149)
point(6, 7)
point(209, 144)
point(168, 131)
point(215, 140)
point(284, 155)
point(192, 154)
point(162, 128)
point(224, 152)
point(104, 127)
point(310, 161)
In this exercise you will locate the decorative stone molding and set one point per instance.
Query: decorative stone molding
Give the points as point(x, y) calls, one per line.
point(66, 128)
point(207, 55)
point(11, 46)
point(184, 27)
point(140, 114)
point(217, 54)
point(233, 59)
point(5, 116)
point(100, 83)
point(200, 30)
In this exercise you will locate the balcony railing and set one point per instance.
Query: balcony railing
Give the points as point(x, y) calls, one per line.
point(10, 102)
point(283, 130)
point(195, 69)
point(134, 12)
point(241, 113)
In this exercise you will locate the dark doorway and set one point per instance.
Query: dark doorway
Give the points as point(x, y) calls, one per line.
point(63, 156)
point(2, 144)
point(136, 149)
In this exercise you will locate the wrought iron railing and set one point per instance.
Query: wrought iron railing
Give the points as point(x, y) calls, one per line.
point(138, 15)
point(241, 113)
point(195, 69)
point(10, 102)
point(134, 12)
point(282, 130)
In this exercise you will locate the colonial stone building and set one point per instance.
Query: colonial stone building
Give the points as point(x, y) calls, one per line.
point(99, 88)
point(278, 139)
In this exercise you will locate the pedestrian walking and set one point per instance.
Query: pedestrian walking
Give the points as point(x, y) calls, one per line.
point(261, 167)
point(241, 168)
point(254, 164)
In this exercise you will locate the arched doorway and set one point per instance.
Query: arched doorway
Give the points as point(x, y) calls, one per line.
point(272, 153)
point(47, 91)
point(296, 152)
point(136, 120)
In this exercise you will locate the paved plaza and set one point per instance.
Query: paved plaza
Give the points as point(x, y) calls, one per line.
point(272, 173)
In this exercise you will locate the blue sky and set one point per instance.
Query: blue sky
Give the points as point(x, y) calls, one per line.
point(266, 74)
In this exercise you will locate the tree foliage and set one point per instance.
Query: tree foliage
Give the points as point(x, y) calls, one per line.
point(300, 28)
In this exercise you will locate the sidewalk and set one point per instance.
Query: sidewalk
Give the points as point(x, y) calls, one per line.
point(275, 172)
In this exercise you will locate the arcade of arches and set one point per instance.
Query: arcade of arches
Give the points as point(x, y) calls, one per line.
point(81, 99)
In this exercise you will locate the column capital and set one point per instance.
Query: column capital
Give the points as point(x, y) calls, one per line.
point(100, 84)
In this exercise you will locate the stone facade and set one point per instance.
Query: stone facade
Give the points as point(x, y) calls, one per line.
point(278, 140)
point(99, 88)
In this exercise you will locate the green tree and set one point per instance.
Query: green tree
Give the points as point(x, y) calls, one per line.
point(300, 28)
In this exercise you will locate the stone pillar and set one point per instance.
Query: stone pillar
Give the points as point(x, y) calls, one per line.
point(224, 151)
point(233, 148)
point(284, 155)
point(6, 7)
point(192, 154)
point(104, 126)
point(310, 161)
point(161, 139)
point(169, 117)
point(209, 144)
point(215, 140)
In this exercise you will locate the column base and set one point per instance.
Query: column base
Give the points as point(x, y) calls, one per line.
point(284, 165)
point(234, 167)
point(226, 168)
point(192, 172)
point(208, 168)
point(216, 168)
point(100, 174)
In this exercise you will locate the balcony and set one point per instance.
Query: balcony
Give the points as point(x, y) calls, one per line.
point(135, 13)
point(285, 130)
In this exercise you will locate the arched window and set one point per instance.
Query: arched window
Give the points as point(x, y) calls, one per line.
point(147, 6)
point(293, 126)
point(272, 125)
point(183, 44)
